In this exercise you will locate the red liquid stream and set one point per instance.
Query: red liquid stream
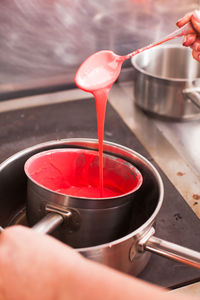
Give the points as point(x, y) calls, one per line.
point(100, 74)
point(101, 97)
point(151, 46)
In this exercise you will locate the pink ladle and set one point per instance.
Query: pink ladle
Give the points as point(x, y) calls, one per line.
point(101, 69)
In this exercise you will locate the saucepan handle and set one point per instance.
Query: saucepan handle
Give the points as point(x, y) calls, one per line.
point(47, 224)
point(50, 222)
point(193, 94)
point(56, 216)
point(170, 250)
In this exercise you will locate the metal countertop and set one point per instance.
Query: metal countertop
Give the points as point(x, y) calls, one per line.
point(175, 146)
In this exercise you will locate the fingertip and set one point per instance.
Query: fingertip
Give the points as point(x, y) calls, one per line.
point(189, 39)
point(184, 43)
point(198, 58)
point(182, 21)
point(179, 23)
point(196, 55)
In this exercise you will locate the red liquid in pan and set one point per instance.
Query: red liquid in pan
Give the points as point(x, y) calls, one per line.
point(76, 173)
point(89, 192)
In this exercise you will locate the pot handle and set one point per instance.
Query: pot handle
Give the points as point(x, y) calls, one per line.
point(168, 249)
point(193, 94)
point(50, 222)
point(47, 224)
point(55, 217)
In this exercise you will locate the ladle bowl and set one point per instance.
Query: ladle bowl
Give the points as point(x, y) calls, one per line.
point(89, 75)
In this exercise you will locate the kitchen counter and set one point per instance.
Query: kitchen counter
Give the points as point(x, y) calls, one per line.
point(190, 290)
point(171, 144)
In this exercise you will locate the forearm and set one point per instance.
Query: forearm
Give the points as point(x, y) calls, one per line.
point(33, 266)
point(95, 281)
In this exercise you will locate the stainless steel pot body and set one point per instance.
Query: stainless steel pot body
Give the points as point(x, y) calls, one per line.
point(161, 77)
point(87, 221)
point(131, 252)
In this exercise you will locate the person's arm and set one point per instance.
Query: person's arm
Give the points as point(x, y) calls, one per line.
point(192, 40)
point(35, 266)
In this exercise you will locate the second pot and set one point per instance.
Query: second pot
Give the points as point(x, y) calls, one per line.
point(162, 76)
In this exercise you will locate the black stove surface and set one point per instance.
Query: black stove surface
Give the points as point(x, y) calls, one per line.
point(176, 221)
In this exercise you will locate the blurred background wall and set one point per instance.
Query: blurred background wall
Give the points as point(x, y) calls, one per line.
point(43, 41)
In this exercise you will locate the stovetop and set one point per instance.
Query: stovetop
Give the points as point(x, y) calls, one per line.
point(65, 115)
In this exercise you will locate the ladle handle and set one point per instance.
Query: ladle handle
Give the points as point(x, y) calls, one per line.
point(186, 29)
point(170, 250)
point(50, 222)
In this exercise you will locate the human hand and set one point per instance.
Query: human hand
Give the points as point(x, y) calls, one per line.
point(35, 266)
point(192, 40)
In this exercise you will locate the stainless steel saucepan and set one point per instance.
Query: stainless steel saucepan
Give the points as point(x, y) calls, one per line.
point(166, 82)
point(80, 219)
point(129, 253)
